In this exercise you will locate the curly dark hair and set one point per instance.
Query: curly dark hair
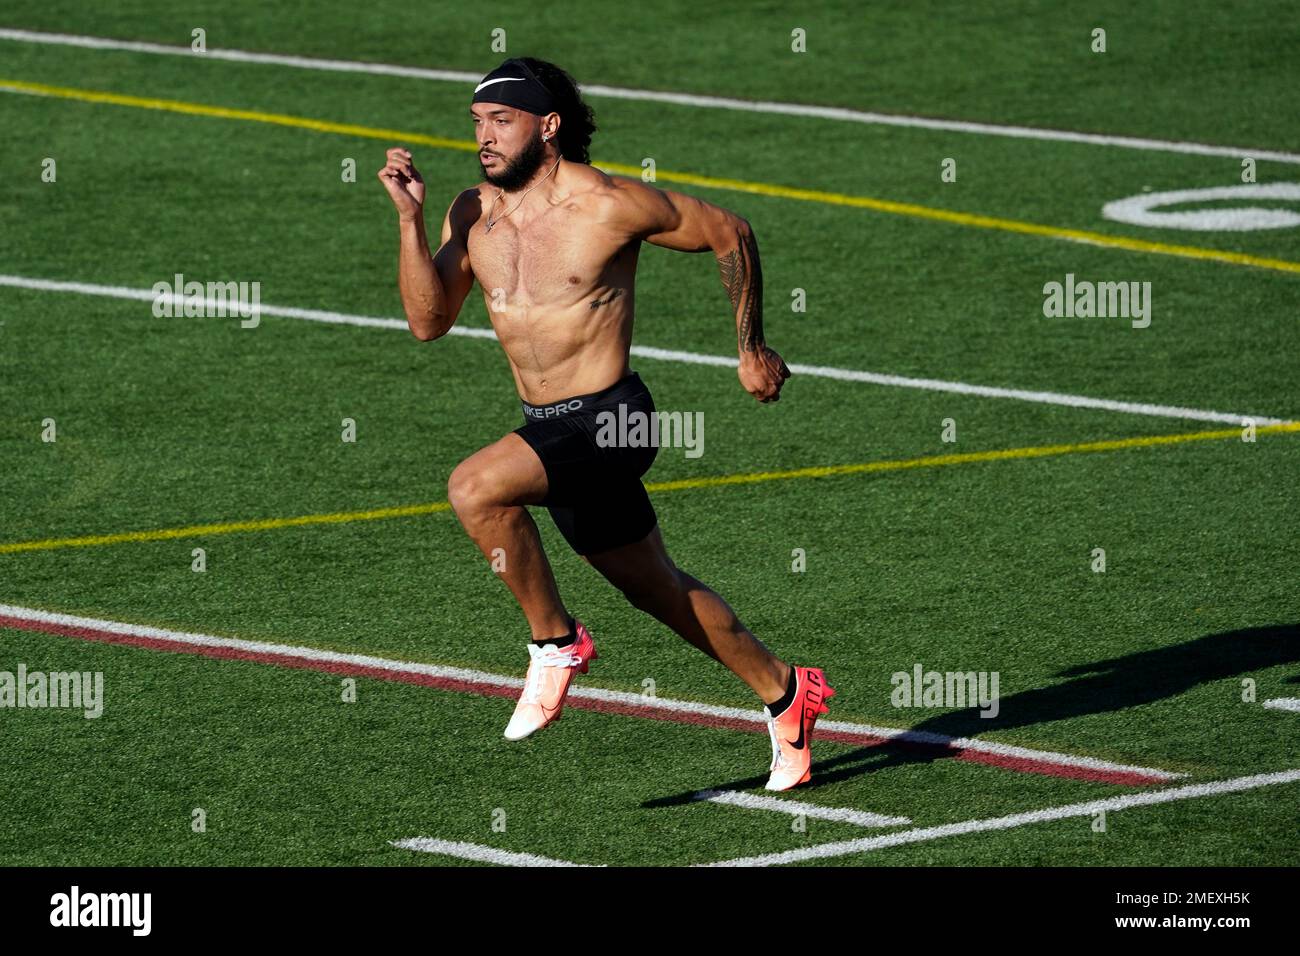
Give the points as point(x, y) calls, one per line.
point(576, 120)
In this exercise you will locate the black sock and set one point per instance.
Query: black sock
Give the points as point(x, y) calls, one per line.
point(778, 707)
point(566, 640)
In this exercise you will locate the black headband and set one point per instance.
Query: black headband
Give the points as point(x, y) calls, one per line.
point(513, 84)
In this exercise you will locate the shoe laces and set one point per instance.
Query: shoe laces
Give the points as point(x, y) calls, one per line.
point(547, 656)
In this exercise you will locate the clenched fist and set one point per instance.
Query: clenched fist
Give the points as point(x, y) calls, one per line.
point(762, 373)
point(404, 183)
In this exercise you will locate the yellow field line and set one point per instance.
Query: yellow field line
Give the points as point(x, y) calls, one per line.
point(228, 527)
point(935, 461)
point(709, 182)
point(823, 471)
point(222, 112)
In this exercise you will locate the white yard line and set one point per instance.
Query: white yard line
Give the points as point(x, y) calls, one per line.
point(627, 698)
point(486, 854)
point(836, 113)
point(477, 852)
point(1284, 703)
point(922, 834)
point(696, 358)
point(750, 801)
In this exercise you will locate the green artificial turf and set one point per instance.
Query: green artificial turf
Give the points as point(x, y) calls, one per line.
point(981, 565)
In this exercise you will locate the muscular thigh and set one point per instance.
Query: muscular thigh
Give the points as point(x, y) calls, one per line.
point(508, 472)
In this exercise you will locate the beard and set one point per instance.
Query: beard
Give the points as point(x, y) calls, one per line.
point(520, 169)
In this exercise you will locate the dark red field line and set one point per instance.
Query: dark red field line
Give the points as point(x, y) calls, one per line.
point(1019, 764)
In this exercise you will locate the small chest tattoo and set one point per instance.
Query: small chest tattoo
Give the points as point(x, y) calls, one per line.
point(597, 303)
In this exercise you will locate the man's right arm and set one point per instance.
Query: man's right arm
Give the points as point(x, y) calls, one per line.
point(433, 287)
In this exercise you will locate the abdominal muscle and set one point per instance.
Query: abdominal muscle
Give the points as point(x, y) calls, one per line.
point(560, 352)
point(564, 285)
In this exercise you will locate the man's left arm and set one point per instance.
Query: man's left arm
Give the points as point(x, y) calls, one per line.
point(681, 222)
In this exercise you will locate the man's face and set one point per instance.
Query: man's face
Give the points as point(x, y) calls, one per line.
point(510, 144)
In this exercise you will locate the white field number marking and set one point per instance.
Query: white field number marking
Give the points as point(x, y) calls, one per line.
point(1144, 209)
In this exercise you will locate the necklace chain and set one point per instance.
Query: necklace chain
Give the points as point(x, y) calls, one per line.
point(492, 222)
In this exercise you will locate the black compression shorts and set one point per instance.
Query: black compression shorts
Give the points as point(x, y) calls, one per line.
point(595, 495)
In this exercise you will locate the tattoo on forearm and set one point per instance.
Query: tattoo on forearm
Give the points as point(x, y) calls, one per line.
point(742, 276)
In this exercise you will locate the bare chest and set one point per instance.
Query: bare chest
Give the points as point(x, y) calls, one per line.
point(552, 258)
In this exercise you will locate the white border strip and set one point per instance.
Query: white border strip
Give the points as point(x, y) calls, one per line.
point(921, 834)
point(659, 96)
point(750, 801)
point(695, 358)
point(590, 693)
point(476, 852)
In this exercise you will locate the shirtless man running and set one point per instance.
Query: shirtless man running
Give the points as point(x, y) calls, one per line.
point(553, 243)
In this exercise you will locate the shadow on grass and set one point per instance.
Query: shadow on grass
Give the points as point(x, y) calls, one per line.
point(1107, 686)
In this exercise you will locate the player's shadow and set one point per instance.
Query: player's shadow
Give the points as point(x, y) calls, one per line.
point(1100, 687)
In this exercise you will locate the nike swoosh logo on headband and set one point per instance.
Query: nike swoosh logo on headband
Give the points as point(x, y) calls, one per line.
point(499, 79)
